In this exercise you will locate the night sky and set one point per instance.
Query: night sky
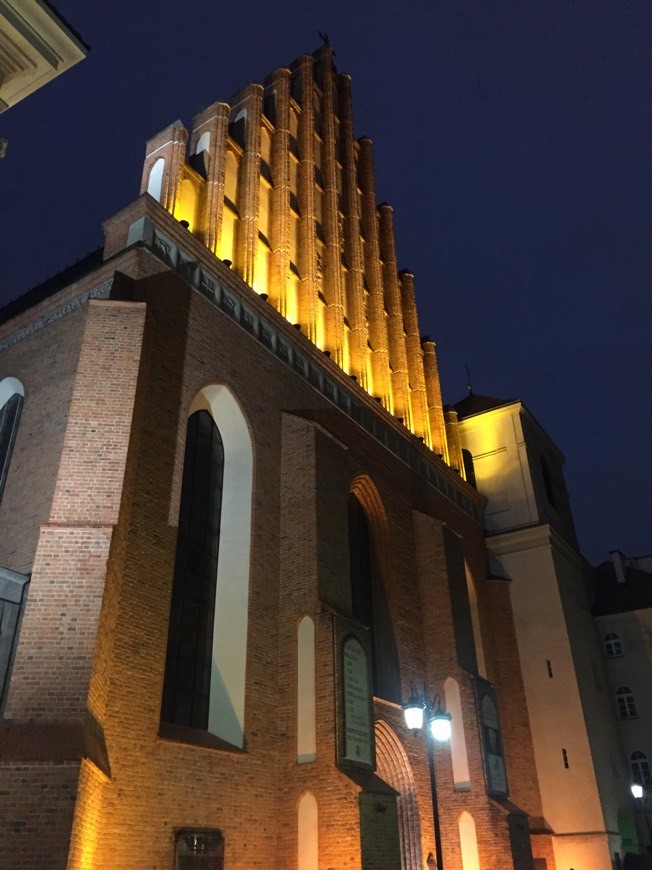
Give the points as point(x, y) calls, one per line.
point(514, 140)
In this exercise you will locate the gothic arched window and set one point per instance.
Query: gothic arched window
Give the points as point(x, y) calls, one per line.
point(369, 603)
point(205, 670)
point(11, 404)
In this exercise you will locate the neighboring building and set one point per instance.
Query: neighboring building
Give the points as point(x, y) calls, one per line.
point(236, 533)
point(623, 613)
point(36, 46)
point(532, 545)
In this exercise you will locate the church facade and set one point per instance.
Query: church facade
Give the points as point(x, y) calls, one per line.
point(237, 533)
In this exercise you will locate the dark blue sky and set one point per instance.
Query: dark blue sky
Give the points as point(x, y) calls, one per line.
point(513, 139)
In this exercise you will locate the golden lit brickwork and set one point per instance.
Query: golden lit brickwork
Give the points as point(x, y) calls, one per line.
point(275, 184)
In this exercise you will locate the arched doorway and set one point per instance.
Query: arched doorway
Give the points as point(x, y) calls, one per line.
point(393, 766)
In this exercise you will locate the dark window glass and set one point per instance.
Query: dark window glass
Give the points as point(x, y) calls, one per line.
point(237, 131)
point(547, 481)
point(9, 419)
point(269, 107)
point(613, 646)
point(295, 86)
point(199, 163)
point(641, 769)
point(626, 703)
point(369, 603)
point(199, 850)
point(469, 468)
point(266, 172)
point(190, 640)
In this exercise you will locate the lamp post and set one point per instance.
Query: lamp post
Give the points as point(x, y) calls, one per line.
point(438, 728)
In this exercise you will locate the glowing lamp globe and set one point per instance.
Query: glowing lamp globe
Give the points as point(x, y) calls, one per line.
point(440, 726)
point(413, 711)
point(637, 790)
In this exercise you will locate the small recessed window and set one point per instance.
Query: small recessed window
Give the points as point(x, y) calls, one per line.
point(199, 850)
point(564, 756)
point(613, 646)
point(641, 769)
point(547, 481)
point(626, 703)
point(549, 667)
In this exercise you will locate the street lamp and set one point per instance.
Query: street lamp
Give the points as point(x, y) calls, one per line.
point(637, 790)
point(438, 728)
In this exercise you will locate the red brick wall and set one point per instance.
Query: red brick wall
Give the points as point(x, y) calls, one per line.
point(118, 494)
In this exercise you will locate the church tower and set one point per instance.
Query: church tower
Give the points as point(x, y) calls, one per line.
point(276, 185)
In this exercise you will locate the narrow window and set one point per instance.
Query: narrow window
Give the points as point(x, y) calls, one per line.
point(237, 128)
point(547, 481)
point(613, 646)
point(306, 724)
point(155, 182)
point(188, 668)
point(369, 604)
point(204, 684)
point(11, 405)
point(308, 851)
point(458, 741)
point(269, 107)
point(549, 667)
point(641, 769)
point(564, 756)
point(469, 469)
point(626, 703)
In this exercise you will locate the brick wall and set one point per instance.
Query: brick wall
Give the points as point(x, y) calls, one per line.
point(95, 631)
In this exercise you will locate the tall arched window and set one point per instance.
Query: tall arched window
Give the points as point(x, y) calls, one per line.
point(369, 603)
point(204, 685)
point(11, 405)
point(613, 646)
point(155, 182)
point(626, 703)
point(188, 667)
point(459, 757)
point(641, 769)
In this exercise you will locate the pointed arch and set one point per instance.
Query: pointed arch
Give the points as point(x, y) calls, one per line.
point(155, 181)
point(393, 766)
point(207, 641)
point(368, 551)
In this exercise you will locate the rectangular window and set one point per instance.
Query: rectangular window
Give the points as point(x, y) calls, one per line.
point(199, 850)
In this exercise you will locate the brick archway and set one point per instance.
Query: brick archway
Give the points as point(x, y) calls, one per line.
point(393, 766)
